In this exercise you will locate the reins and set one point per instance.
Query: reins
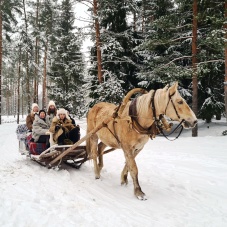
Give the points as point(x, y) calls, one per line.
point(177, 127)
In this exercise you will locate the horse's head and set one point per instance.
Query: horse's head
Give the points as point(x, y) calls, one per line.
point(177, 108)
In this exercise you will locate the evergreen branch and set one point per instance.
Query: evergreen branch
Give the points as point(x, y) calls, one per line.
point(180, 38)
point(86, 3)
point(176, 59)
point(180, 27)
point(204, 62)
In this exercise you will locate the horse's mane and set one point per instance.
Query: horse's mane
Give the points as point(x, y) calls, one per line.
point(144, 104)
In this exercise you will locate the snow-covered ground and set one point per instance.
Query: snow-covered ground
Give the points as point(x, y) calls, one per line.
point(185, 182)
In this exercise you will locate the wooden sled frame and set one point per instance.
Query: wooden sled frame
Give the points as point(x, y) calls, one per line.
point(74, 159)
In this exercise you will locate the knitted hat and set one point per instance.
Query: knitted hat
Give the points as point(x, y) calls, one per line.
point(62, 111)
point(34, 105)
point(51, 103)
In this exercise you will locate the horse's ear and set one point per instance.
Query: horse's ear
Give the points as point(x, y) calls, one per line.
point(166, 87)
point(173, 89)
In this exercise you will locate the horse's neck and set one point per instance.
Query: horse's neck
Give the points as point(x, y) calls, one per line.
point(160, 102)
point(144, 111)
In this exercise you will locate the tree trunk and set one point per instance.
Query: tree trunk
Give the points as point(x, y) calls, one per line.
point(194, 67)
point(0, 62)
point(98, 47)
point(225, 82)
point(44, 77)
point(26, 63)
point(18, 87)
point(134, 21)
point(35, 98)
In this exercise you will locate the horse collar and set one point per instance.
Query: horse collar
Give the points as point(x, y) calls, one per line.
point(136, 125)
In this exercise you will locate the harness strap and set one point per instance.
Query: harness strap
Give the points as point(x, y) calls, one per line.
point(153, 106)
point(115, 115)
point(170, 99)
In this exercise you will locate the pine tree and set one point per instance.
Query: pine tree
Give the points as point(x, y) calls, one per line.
point(210, 55)
point(7, 16)
point(67, 67)
point(119, 61)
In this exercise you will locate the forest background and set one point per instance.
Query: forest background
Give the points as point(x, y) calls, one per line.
point(136, 43)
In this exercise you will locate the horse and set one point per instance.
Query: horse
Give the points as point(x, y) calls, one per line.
point(119, 133)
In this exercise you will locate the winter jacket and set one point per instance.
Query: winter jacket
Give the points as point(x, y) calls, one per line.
point(73, 121)
point(62, 127)
point(40, 127)
point(51, 116)
point(29, 120)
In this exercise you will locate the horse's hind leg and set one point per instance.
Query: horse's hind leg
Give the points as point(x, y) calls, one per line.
point(101, 147)
point(94, 151)
point(124, 175)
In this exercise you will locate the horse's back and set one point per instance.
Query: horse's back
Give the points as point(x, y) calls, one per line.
point(98, 113)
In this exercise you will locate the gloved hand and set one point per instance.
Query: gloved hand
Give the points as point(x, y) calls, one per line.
point(57, 127)
point(47, 133)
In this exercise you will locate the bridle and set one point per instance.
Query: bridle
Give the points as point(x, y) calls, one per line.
point(157, 121)
point(170, 99)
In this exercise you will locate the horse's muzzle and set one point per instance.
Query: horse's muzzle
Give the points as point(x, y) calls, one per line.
point(188, 124)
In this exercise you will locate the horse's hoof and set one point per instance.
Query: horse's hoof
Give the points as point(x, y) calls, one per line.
point(124, 182)
point(97, 177)
point(142, 197)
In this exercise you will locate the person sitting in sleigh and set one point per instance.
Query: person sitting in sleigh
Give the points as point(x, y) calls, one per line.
point(64, 132)
point(31, 117)
point(40, 132)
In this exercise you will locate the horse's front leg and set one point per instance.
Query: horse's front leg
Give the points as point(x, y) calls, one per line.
point(124, 173)
point(132, 168)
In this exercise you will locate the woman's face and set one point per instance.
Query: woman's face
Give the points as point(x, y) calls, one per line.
point(42, 115)
point(35, 109)
point(52, 107)
point(62, 116)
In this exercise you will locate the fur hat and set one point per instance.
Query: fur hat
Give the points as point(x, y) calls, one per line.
point(62, 111)
point(34, 105)
point(43, 112)
point(51, 103)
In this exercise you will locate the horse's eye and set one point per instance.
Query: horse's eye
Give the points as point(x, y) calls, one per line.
point(180, 102)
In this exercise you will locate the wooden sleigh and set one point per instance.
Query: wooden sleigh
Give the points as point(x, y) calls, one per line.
point(56, 155)
point(73, 155)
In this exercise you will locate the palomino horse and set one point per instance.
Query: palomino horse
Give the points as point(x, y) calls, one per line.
point(119, 133)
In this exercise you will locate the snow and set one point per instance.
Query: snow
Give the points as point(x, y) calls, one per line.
point(185, 182)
